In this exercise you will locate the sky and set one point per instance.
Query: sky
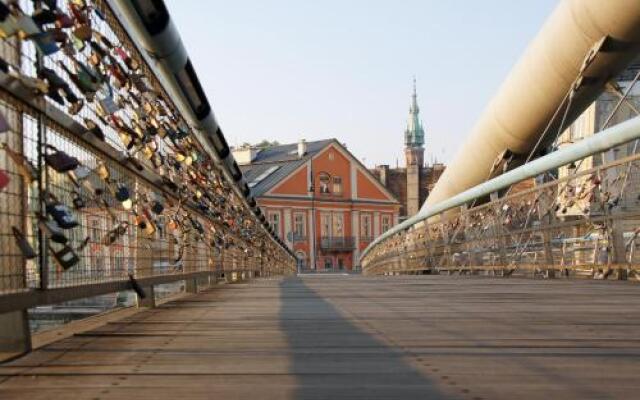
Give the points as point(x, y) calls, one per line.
point(291, 69)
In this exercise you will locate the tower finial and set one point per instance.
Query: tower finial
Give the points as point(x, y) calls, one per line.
point(414, 134)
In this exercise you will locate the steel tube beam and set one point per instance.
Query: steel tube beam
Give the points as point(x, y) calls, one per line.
point(583, 45)
point(609, 138)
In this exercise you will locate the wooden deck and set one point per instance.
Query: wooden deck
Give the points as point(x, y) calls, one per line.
point(353, 337)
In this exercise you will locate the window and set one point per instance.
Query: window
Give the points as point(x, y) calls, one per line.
point(325, 227)
point(298, 225)
point(386, 223)
point(337, 185)
point(97, 262)
point(338, 225)
point(117, 261)
point(365, 226)
point(95, 231)
point(332, 225)
point(274, 220)
point(324, 183)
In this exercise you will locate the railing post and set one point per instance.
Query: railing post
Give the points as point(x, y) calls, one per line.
point(145, 267)
point(619, 249)
point(191, 259)
point(547, 237)
point(43, 186)
point(149, 301)
point(499, 233)
point(15, 336)
point(220, 266)
point(446, 250)
point(191, 285)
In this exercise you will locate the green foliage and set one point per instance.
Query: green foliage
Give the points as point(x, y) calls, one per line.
point(265, 144)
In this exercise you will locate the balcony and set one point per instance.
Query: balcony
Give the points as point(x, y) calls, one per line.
point(295, 237)
point(337, 243)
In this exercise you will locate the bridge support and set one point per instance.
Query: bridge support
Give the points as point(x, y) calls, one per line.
point(209, 281)
point(191, 285)
point(619, 248)
point(15, 336)
point(149, 300)
point(547, 236)
point(232, 276)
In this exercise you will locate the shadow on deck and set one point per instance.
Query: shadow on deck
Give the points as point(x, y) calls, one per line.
point(332, 358)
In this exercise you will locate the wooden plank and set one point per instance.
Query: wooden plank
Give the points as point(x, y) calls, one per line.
point(355, 337)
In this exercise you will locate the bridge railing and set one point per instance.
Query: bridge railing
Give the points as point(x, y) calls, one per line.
point(578, 214)
point(103, 185)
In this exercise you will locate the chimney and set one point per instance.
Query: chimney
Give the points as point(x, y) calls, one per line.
point(383, 170)
point(302, 148)
point(244, 155)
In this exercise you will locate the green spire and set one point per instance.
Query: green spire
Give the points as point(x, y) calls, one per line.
point(414, 134)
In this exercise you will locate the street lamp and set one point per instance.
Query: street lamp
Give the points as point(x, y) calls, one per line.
point(312, 233)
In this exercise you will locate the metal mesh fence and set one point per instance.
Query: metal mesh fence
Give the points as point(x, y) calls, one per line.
point(100, 177)
point(586, 222)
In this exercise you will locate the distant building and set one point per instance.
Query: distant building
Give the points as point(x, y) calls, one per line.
point(320, 199)
point(411, 185)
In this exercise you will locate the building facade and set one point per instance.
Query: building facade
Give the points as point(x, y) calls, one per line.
point(411, 185)
point(320, 199)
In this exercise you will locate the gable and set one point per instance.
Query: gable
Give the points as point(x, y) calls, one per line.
point(333, 162)
point(373, 189)
point(296, 184)
point(329, 157)
point(367, 189)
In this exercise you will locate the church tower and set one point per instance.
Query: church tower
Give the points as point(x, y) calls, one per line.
point(414, 154)
point(414, 134)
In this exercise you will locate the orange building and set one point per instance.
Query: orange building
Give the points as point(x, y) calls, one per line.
point(320, 199)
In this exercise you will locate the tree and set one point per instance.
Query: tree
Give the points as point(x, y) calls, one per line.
point(265, 144)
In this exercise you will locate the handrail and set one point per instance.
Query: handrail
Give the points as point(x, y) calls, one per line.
point(161, 46)
point(611, 137)
point(168, 49)
point(161, 230)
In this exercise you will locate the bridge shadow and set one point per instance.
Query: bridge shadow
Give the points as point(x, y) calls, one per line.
point(332, 358)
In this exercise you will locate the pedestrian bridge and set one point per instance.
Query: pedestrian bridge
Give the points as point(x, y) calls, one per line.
point(355, 337)
point(116, 180)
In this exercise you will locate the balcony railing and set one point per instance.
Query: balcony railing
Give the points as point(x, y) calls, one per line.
point(337, 243)
point(296, 237)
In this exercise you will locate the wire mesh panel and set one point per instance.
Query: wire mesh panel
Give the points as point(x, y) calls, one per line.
point(586, 222)
point(101, 179)
point(18, 235)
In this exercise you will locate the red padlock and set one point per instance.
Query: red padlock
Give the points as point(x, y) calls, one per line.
point(4, 179)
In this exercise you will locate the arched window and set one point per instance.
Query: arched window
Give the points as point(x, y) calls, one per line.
point(325, 181)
